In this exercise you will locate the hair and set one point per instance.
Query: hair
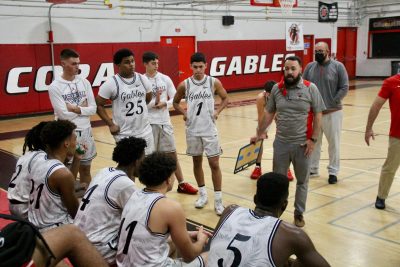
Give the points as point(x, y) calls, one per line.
point(32, 138)
point(68, 53)
point(55, 132)
point(198, 57)
point(156, 168)
point(268, 86)
point(120, 54)
point(294, 58)
point(149, 56)
point(272, 189)
point(128, 150)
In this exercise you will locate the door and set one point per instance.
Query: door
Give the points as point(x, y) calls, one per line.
point(308, 55)
point(347, 49)
point(186, 47)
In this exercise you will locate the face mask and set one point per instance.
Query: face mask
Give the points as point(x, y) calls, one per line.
point(319, 57)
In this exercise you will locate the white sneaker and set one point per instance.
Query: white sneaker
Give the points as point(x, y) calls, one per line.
point(218, 207)
point(201, 202)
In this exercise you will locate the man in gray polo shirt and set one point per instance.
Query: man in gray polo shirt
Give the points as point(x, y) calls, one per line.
point(298, 107)
point(331, 78)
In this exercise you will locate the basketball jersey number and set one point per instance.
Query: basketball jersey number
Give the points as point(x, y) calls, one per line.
point(39, 189)
point(85, 199)
point(18, 170)
point(130, 229)
point(237, 254)
point(131, 105)
point(199, 106)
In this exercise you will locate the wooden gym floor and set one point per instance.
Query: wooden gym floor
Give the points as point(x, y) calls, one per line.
point(341, 219)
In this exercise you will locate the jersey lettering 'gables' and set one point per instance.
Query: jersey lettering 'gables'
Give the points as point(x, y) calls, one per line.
point(201, 95)
point(131, 95)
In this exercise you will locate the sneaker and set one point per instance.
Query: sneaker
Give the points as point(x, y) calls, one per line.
point(256, 173)
point(201, 202)
point(332, 179)
point(218, 207)
point(314, 174)
point(186, 188)
point(299, 220)
point(380, 203)
point(289, 175)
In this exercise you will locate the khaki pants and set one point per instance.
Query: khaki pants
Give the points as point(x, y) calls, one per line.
point(389, 168)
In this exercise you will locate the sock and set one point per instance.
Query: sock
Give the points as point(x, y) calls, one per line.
point(202, 190)
point(182, 182)
point(258, 164)
point(217, 195)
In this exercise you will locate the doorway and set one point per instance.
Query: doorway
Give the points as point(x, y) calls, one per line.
point(347, 49)
point(308, 55)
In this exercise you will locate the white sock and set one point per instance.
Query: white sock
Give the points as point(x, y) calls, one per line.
point(218, 195)
point(181, 182)
point(203, 191)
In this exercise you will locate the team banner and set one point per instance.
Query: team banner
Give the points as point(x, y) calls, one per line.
point(294, 36)
point(328, 12)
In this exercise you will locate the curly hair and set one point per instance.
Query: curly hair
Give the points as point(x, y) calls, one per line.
point(32, 138)
point(272, 189)
point(128, 150)
point(156, 168)
point(55, 132)
point(268, 86)
point(120, 54)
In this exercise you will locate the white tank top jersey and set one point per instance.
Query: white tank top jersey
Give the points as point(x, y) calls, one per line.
point(200, 106)
point(99, 213)
point(163, 84)
point(129, 108)
point(46, 209)
point(20, 182)
point(137, 245)
point(243, 239)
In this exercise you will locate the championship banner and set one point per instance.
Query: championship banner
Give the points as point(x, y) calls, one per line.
point(294, 36)
point(328, 12)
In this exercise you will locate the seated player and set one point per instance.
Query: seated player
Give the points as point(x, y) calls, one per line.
point(99, 214)
point(149, 219)
point(245, 237)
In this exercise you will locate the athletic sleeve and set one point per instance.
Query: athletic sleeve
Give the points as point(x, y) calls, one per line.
point(386, 89)
point(60, 107)
point(343, 83)
point(109, 89)
point(146, 83)
point(316, 98)
point(171, 91)
point(91, 103)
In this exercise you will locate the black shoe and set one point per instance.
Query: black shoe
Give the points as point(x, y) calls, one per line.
point(332, 179)
point(380, 203)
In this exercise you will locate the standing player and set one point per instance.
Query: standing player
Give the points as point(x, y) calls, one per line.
point(261, 103)
point(201, 131)
point(130, 92)
point(150, 219)
point(52, 195)
point(18, 189)
point(99, 214)
point(72, 99)
point(258, 237)
point(163, 91)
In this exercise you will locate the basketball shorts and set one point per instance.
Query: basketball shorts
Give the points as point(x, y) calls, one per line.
point(196, 145)
point(19, 209)
point(197, 262)
point(85, 140)
point(163, 138)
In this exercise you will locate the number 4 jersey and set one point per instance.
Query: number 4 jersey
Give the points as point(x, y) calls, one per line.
point(243, 239)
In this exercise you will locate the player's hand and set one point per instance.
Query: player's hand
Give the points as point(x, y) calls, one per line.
point(160, 105)
point(202, 236)
point(309, 148)
point(185, 116)
point(368, 135)
point(73, 108)
point(84, 103)
point(215, 116)
point(114, 129)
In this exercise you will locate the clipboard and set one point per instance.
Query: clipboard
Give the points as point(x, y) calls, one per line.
point(247, 156)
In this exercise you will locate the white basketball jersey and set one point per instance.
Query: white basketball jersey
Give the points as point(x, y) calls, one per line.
point(138, 246)
point(99, 214)
point(46, 209)
point(200, 107)
point(163, 85)
point(129, 108)
point(243, 239)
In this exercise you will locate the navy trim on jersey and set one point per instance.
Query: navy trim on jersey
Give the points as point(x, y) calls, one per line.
point(148, 215)
point(141, 81)
point(199, 83)
point(108, 200)
point(117, 84)
point(187, 89)
point(201, 260)
point(126, 82)
point(270, 239)
point(258, 217)
point(223, 222)
point(47, 177)
point(30, 161)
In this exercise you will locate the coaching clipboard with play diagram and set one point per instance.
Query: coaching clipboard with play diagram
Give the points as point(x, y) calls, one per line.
point(247, 156)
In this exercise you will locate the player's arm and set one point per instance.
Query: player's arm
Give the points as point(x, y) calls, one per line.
point(101, 111)
point(60, 106)
point(316, 129)
point(372, 115)
point(148, 97)
point(227, 211)
point(264, 122)
point(62, 181)
point(180, 93)
point(90, 107)
point(220, 90)
point(76, 163)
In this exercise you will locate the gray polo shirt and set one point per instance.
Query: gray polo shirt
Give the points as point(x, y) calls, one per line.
point(332, 81)
point(292, 110)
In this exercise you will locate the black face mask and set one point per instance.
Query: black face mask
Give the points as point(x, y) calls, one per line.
point(319, 57)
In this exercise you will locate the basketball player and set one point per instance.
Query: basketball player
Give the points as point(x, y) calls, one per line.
point(130, 92)
point(163, 92)
point(99, 214)
point(18, 189)
point(258, 237)
point(52, 195)
point(201, 131)
point(149, 219)
point(72, 99)
point(261, 103)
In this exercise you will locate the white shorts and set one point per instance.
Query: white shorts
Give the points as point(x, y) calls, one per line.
point(147, 137)
point(196, 145)
point(163, 138)
point(85, 139)
point(197, 262)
